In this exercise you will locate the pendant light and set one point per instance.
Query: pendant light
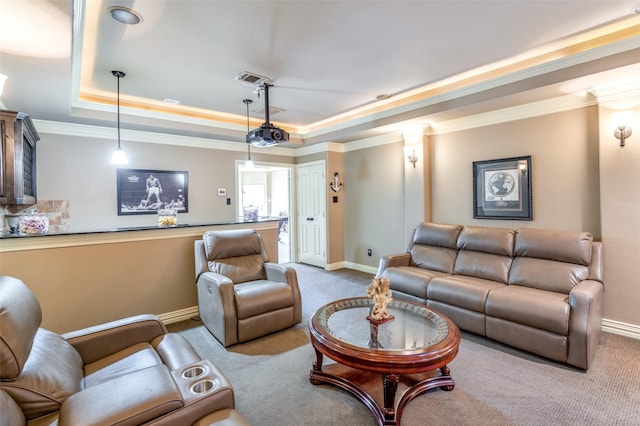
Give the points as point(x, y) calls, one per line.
point(119, 157)
point(249, 163)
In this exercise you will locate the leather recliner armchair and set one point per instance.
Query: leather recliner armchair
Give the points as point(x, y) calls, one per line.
point(241, 296)
point(125, 372)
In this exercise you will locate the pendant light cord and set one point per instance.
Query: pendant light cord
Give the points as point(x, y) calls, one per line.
point(247, 102)
point(118, 75)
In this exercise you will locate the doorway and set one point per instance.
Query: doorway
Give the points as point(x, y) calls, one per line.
point(265, 190)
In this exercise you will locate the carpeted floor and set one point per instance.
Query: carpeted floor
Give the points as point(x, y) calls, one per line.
point(495, 384)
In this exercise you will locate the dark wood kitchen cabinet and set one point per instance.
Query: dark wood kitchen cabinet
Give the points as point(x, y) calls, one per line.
point(17, 159)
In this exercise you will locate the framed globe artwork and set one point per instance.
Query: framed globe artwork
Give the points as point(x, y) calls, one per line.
point(502, 189)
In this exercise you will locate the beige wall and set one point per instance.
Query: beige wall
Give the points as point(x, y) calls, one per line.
point(374, 212)
point(620, 205)
point(565, 170)
point(78, 170)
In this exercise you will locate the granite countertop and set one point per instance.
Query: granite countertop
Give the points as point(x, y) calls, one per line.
point(145, 228)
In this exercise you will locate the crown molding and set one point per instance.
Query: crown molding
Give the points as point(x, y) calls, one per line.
point(385, 139)
point(99, 132)
point(534, 109)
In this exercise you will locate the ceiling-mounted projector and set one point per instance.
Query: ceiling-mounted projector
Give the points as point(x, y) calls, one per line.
point(267, 134)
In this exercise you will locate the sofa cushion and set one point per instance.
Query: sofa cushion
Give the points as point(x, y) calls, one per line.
point(546, 274)
point(52, 373)
point(562, 246)
point(10, 412)
point(20, 317)
point(126, 361)
point(128, 400)
point(483, 265)
point(545, 310)
point(487, 240)
point(433, 246)
point(240, 269)
point(257, 297)
point(231, 243)
point(458, 290)
point(435, 234)
point(434, 258)
point(410, 280)
point(237, 254)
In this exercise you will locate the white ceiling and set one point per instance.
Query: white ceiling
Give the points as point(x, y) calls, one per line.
point(328, 60)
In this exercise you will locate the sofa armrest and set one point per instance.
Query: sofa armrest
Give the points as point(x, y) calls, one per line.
point(130, 399)
point(217, 306)
point(200, 257)
point(585, 324)
point(101, 340)
point(401, 259)
point(290, 276)
point(276, 272)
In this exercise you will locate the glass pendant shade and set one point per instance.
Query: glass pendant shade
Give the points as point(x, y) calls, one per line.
point(119, 157)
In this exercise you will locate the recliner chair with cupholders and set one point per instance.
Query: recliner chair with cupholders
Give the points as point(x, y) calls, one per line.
point(127, 372)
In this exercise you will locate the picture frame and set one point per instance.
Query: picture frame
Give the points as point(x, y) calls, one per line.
point(502, 189)
point(143, 191)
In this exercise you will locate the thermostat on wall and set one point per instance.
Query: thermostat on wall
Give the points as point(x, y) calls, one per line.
point(222, 192)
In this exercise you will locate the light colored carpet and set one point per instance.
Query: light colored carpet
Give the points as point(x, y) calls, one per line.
point(495, 384)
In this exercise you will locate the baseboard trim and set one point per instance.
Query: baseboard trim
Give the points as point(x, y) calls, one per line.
point(334, 266)
point(180, 315)
point(359, 267)
point(621, 328)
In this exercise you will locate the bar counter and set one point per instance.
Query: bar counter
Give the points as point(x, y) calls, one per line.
point(85, 278)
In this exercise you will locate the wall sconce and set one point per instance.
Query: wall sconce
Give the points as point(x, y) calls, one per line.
point(622, 132)
point(335, 185)
point(412, 157)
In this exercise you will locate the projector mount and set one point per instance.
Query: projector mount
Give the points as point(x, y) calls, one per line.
point(267, 134)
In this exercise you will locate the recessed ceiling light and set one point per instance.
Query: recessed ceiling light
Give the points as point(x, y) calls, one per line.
point(171, 101)
point(125, 15)
point(383, 97)
point(636, 9)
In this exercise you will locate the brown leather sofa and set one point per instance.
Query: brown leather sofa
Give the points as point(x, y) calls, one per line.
point(125, 372)
point(241, 295)
point(537, 290)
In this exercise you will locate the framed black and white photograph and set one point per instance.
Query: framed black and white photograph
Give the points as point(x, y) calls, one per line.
point(502, 189)
point(147, 191)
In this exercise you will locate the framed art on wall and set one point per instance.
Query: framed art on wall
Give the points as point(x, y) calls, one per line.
point(147, 191)
point(502, 189)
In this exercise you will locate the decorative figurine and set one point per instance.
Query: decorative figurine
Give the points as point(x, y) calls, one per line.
point(380, 292)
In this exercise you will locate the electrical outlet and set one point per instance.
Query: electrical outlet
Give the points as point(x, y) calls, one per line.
point(368, 252)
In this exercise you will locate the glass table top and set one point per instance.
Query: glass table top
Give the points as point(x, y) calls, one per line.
point(414, 327)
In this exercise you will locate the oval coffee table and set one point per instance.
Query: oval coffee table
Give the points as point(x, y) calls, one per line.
point(379, 363)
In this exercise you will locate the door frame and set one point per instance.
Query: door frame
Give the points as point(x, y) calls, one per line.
point(293, 247)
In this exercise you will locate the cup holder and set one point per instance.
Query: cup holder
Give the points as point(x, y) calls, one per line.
point(193, 372)
point(202, 386)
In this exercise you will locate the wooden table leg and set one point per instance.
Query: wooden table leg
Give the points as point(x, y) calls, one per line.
point(317, 367)
point(390, 386)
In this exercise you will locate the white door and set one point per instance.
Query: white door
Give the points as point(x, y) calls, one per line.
point(311, 197)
